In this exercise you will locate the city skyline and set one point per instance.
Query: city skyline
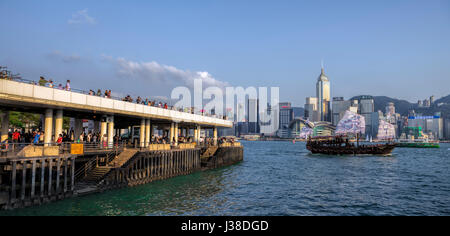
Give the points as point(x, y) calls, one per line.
point(245, 45)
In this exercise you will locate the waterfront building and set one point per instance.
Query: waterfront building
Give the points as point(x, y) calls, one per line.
point(426, 103)
point(311, 112)
point(419, 103)
point(323, 97)
point(431, 100)
point(323, 128)
point(430, 125)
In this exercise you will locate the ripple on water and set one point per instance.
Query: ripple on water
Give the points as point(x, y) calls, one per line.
point(282, 178)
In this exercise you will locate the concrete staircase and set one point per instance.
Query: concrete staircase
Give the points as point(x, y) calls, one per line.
point(210, 151)
point(122, 158)
point(96, 174)
point(99, 172)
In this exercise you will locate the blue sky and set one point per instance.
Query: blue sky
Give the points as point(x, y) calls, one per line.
point(394, 48)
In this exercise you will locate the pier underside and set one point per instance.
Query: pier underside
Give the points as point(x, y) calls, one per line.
point(34, 181)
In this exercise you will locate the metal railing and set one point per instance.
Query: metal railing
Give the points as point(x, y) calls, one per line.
point(83, 171)
point(55, 149)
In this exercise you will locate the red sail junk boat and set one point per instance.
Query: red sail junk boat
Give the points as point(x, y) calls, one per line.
point(340, 145)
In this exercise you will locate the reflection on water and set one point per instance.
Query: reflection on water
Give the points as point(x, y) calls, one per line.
point(282, 178)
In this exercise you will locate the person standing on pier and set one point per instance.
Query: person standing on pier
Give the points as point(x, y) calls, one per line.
point(36, 138)
point(42, 81)
point(68, 85)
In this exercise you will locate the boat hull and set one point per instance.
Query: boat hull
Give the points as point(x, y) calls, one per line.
point(385, 149)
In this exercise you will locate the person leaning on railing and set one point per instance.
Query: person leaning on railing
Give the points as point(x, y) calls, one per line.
point(42, 81)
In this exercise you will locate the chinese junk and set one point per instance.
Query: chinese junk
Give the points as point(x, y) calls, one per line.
point(340, 145)
point(352, 125)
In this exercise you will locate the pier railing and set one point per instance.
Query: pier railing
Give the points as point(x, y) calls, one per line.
point(21, 150)
point(50, 91)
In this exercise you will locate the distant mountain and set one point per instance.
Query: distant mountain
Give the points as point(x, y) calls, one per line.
point(402, 106)
point(445, 100)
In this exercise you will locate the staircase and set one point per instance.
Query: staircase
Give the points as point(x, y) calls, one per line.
point(210, 151)
point(99, 172)
point(96, 174)
point(122, 158)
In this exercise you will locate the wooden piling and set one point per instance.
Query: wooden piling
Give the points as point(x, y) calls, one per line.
point(65, 175)
point(12, 197)
point(33, 178)
point(24, 179)
point(42, 190)
point(49, 192)
point(58, 169)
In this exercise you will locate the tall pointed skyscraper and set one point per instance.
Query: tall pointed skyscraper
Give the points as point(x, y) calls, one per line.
point(323, 96)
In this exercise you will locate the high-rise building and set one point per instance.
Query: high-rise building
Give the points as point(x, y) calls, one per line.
point(390, 109)
point(323, 97)
point(430, 125)
point(286, 114)
point(431, 100)
point(366, 108)
point(447, 128)
point(253, 115)
point(339, 106)
point(419, 103)
point(298, 111)
point(311, 112)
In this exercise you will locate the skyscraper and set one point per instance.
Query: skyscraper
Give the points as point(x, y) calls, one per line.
point(311, 112)
point(323, 97)
point(253, 115)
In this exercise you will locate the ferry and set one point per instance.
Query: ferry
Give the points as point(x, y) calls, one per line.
point(423, 141)
point(417, 143)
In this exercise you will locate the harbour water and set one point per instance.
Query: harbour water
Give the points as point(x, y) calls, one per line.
point(282, 178)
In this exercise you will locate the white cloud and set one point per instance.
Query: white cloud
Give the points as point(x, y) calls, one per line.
point(82, 17)
point(156, 73)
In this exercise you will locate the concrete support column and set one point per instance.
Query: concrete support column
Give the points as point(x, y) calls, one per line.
point(199, 131)
point(58, 123)
point(171, 133)
point(176, 134)
point(215, 136)
point(147, 132)
point(103, 128)
point(195, 136)
point(111, 131)
point(78, 129)
point(152, 128)
point(96, 126)
point(48, 126)
point(5, 125)
point(142, 134)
